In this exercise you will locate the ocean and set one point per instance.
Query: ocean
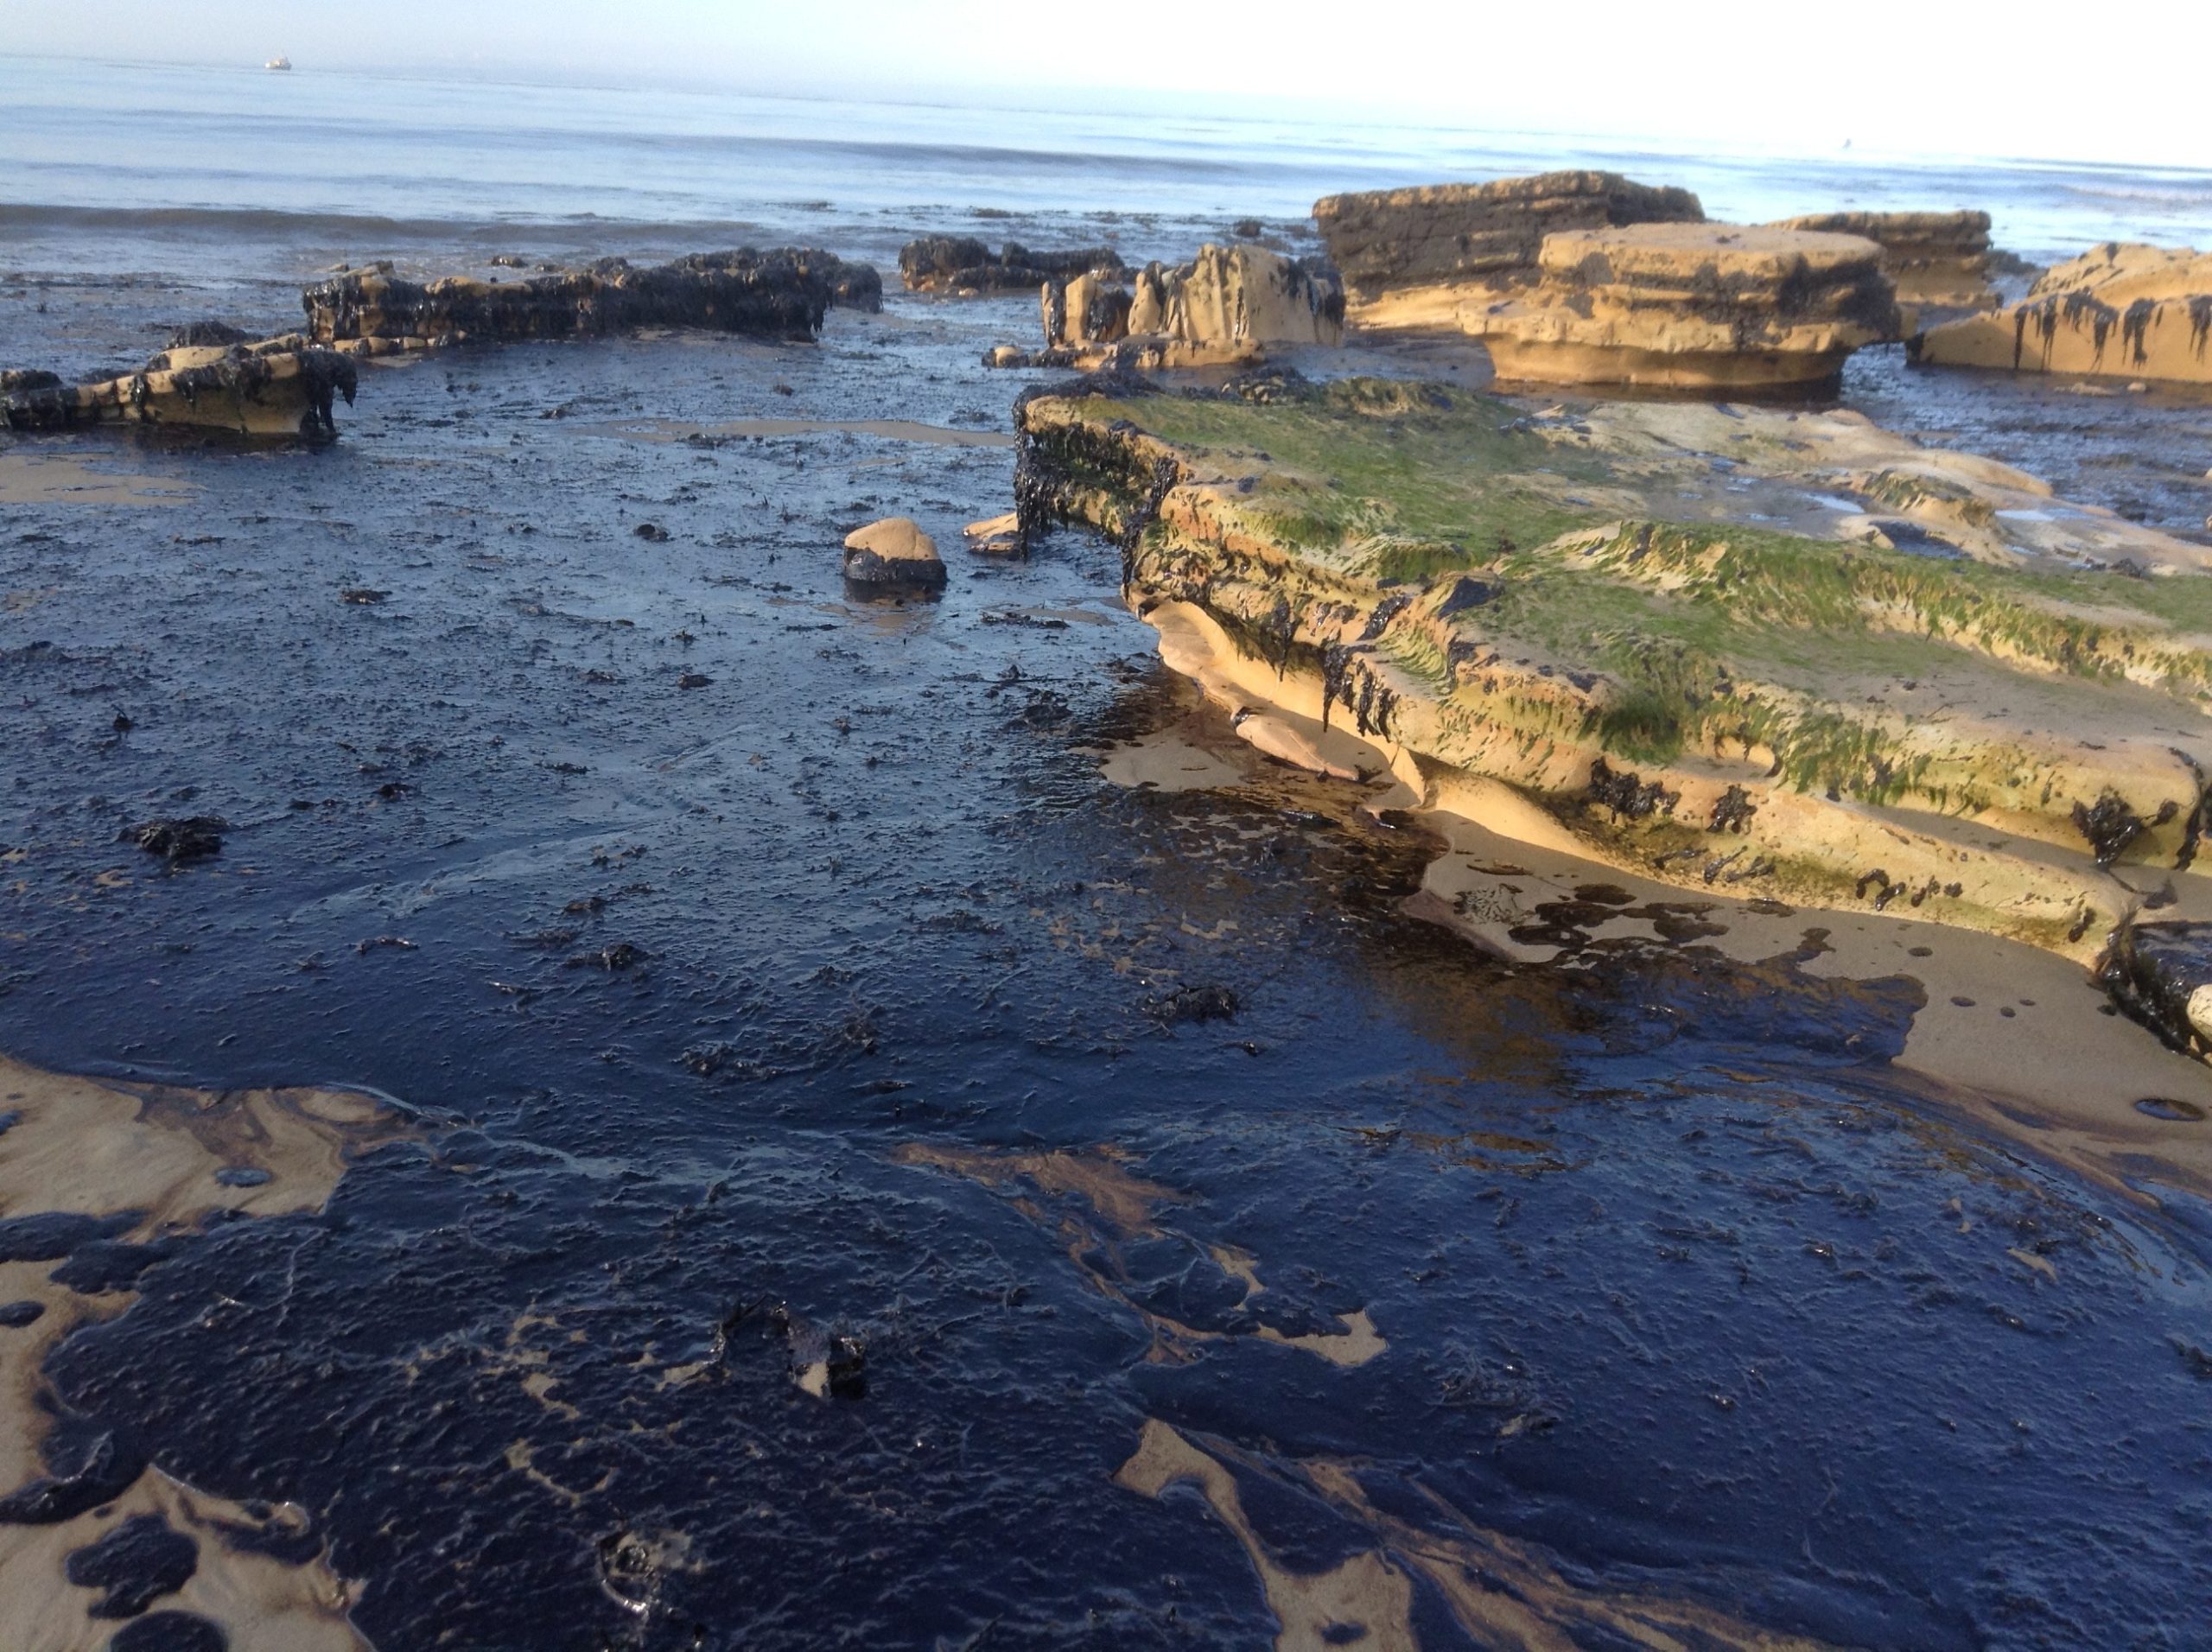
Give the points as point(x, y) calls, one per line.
point(207, 163)
point(897, 1127)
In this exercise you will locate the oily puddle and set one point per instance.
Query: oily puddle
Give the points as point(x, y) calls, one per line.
point(47, 477)
point(653, 430)
point(98, 1182)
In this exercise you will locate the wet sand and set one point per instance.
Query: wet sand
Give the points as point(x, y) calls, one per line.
point(153, 1165)
point(35, 477)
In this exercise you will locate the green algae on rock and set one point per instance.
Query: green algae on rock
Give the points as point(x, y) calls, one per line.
point(1783, 655)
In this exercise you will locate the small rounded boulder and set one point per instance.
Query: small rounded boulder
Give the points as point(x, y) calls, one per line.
point(894, 552)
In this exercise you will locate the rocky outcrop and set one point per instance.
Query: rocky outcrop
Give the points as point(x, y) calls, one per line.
point(1938, 260)
point(1230, 304)
point(1633, 627)
point(1703, 306)
point(892, 554)
point(1409, 256)
point(962, 264)
point(282, 387)
point(2121, 311)
point(778, 295)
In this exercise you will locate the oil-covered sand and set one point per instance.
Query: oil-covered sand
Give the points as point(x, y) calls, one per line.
point(923, 1137)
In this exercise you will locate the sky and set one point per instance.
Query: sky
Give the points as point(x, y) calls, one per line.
point(1913, 77)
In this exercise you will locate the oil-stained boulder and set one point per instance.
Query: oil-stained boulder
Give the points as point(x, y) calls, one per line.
point(1471, 235)
point(1701, 305)
point(895, 553)
point(960, 264)
point(282, 387)
point(783, 294)
point(2119, 309)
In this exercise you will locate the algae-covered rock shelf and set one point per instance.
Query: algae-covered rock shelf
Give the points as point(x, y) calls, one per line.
point(1779, 655)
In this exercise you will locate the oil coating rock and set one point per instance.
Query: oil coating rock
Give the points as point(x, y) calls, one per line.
point(1691, 306)
point(1410, 255)
point(892, 552)
point(1565, 606)
point(281, 387)
point(1938, 260)
point(2119, 310)
point(781, 294)
point(960, 264)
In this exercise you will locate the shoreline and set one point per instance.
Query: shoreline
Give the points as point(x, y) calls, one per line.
point(2059, 1075)
point(144, 1166)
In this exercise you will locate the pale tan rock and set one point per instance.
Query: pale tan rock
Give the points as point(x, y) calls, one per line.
point(2119, 310)
point(895, 552)
point(1463, 235)
point(995, 536)
point(1690, 306)
point(1938, 260)
point(1227, 305)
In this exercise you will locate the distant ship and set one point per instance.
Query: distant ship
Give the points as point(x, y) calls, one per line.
point(280, 62)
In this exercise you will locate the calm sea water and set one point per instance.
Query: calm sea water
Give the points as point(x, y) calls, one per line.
point(107, 167)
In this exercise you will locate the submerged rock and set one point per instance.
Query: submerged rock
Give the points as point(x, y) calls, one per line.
point(892, 552)
point(282, 386)
point(1410, 256)
point(1938, 260)
point(2121, 311)
point(782, 294)
point(1691, 306)
point(960, 264)
point(1566, 625)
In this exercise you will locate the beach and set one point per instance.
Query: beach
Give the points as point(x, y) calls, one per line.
point(891, 1118)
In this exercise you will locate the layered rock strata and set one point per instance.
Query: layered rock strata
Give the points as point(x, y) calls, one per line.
point(1410, 256)
point(1938, 260)
point(962, 264)
point(282, 387)
point(778, 295)
point(1702, 306)
point(1565, 626)
point(1228, 305)
point(2119, 310)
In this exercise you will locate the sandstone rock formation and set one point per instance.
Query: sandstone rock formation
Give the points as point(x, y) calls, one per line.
point(282, 386)
point(778, 295)
point(1229, 304)
point(1690, 306)
point(1632, 627)
point(960, 264)
point(1938, 260)
point(2121, 309)
point(894, 552)
point(1409, 256)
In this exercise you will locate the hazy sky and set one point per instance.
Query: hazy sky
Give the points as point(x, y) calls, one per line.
point(1916, 76)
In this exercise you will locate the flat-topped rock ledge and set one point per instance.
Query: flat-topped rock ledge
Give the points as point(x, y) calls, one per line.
point(1409, 256)
point(1937, 260)
point(2122, 310)
point(278, 387)
point(777, 295)
point(963, 265)
point(1635, 626)
point(1229, 305)
point(1691, 306)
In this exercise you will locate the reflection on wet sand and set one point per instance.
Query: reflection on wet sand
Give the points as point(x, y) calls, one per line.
point(1503, 1593)
point(98, 1182)
point(1120, 1207)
